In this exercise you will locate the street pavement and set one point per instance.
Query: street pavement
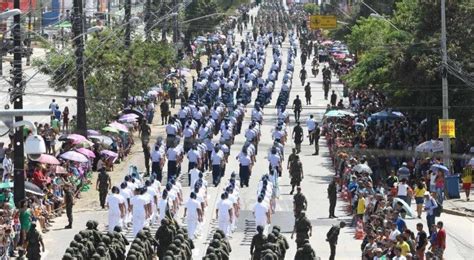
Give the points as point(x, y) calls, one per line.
point(38, 94)
point(318, 172)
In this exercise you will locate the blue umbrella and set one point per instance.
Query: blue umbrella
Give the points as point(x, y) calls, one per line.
point(386, 115)
point(338, 113)
point(441, 167)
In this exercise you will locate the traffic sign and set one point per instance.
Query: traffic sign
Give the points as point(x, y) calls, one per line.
point(322, 22)
point(446, 128)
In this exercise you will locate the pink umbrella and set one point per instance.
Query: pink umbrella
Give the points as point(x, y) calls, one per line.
point(339, 56)
point(109, 153)
point(129, 118)
point(326, 43)
point(92, 132)
point(75, 138)
point(48, 159)
point(60, 170)
point(119, 126)
point(74, 156)
point(86, 152)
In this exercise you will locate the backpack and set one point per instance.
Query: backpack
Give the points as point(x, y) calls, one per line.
point(437, 211)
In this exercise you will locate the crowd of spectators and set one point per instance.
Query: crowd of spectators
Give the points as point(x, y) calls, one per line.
point(48, 176)
point(381, 175)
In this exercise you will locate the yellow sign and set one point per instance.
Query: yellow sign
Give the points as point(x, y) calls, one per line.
point(446, 128)
point(322, 22)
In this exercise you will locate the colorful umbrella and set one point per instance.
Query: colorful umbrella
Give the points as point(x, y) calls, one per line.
point(338, 113)
point(134, 111)
point(74, 156)
point(386, 115)
point(152, 93)
point(60, 170)
point(6, 185)
point(128, 119)
point(33, 189)
point(441, 167)
point(327, 43)
point(410, 212)
point(110, 129)
point(76, 138)
point(103, 139)
point(431, 146)
point(48, 159)
point(86, 152)
point(65, 24)
point(92, 132)
point(362, 167)
point(109, 153)
point(339, 56)
point(119, 126)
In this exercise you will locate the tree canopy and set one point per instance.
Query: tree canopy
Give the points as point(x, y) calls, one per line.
point(406, 63)
point(105, 61)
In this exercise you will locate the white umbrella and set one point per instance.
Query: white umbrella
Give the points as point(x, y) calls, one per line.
point(471, 162)
point(431, 146)
point(362, 167)
point(410, 212)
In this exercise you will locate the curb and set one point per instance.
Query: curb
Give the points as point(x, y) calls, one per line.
point(457, 213)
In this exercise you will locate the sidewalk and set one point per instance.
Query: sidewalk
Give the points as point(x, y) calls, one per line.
point(460, 206)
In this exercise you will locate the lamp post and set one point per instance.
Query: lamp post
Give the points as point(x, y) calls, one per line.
point(17, 99)
point(127, 41)
point(444, 83)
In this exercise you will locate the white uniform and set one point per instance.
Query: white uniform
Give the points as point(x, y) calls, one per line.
point(260, 211)
point(223, 216)
point(115, 218)
point(127, 195)
point(152, 192)
point(138, 214)
point(192, 216)
point(162, 205)
point(194, 173)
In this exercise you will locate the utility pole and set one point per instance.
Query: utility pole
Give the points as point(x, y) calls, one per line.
point(78, 28)
point(175, 24)
point(28, 41)
point(148, 20)
point(17, 99)
point(2, 47)
point(444, 82)
point(125, 76)
point(109, 11)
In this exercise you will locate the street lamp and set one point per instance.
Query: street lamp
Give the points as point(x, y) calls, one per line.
point(381, 17)
point(9, 13)
point(94, 29)
point(33, 146)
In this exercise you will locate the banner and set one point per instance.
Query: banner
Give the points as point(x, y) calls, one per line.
point(322, 22)
point(446, 128)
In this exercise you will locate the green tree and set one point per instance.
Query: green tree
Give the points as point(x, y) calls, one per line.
point(311, 8)
point(198, 9)
point(105, 60)
point(406, 64)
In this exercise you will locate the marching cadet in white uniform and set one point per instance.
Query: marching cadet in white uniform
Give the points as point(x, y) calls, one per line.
point(193, 214)
point(224, 214)
point(117, 209)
